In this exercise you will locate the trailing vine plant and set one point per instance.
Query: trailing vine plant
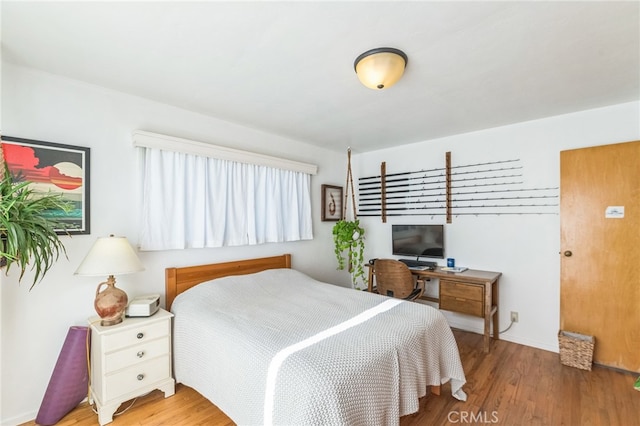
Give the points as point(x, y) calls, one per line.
point(348, 236)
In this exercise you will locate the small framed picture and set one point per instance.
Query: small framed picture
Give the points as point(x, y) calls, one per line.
point(331, 203)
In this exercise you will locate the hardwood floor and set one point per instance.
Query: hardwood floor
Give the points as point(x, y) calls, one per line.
point(512, 385)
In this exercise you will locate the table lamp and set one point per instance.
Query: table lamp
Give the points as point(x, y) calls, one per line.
point(110, 256)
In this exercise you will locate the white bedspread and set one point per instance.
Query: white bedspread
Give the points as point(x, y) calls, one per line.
point(334, 356)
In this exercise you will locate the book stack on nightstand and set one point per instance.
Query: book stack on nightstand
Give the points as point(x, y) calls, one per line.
point(128, 360)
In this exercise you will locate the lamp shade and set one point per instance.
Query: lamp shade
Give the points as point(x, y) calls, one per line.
point(380, 68)
point(110, 256)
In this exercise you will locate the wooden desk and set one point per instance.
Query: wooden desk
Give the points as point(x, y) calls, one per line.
point(471, 292)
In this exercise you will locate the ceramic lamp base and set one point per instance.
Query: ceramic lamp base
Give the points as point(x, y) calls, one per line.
point(110, 303)
point(107, 323)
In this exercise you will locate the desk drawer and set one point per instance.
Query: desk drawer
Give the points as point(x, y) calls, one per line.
point(463, 306)
point(462, 290)
point(462, 297)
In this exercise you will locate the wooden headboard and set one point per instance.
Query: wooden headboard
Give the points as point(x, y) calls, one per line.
point(178, 280)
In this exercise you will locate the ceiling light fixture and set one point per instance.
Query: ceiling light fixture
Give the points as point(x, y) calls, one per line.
point(380, 68)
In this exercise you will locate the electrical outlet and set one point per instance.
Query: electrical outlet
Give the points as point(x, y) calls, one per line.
point(514, 316)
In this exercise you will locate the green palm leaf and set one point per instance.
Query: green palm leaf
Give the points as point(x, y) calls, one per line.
point(28, 237)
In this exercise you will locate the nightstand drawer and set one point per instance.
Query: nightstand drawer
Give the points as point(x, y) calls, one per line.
point(461, 290)
point(133, 378)
point(136, 354)
point(134, 335)
point(464, 306)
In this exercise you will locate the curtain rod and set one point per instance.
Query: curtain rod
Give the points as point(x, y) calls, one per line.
point(145, 139)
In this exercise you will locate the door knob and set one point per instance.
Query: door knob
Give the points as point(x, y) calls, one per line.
point(567, 253)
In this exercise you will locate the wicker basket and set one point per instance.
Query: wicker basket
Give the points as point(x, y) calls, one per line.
point(576, 350)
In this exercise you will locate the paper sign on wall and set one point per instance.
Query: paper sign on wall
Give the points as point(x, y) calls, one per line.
point(614, 212)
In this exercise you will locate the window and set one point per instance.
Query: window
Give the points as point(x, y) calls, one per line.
point(194, 199)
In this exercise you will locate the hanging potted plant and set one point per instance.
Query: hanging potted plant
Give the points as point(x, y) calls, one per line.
point(28, 236)
point(348, 236)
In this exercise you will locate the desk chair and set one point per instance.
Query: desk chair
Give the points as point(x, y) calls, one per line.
point(394, 279)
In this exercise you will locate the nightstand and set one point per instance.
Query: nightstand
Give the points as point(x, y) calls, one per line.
point(128, 360)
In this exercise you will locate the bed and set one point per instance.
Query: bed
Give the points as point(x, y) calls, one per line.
point(269, 345)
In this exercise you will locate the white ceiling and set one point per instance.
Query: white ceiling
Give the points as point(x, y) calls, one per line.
point(287, 67)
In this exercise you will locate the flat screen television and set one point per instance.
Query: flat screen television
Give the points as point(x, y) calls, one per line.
point(418, 240)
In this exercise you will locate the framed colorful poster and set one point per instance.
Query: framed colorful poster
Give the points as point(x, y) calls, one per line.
point(54, 167)
point(331, 203)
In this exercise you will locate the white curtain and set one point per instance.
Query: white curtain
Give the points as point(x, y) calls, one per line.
point(192, 201)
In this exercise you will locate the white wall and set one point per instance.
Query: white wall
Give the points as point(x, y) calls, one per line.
point(44, 107)
point(525, 248)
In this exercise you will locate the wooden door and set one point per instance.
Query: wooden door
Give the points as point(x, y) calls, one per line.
point(600, 250)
